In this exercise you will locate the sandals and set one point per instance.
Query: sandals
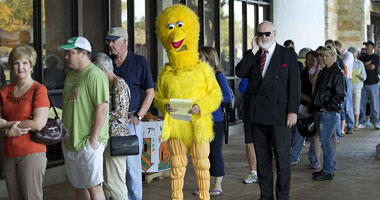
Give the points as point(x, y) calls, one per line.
point(213, 193)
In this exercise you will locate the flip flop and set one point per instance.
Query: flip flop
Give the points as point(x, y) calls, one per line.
point(196, 192)
point(215, 193)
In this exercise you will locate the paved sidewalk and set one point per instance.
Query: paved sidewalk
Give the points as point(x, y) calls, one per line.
point(358, 176)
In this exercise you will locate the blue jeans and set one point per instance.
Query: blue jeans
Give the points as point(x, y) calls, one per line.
point(216, 155)
point(296, 143)
point(134, 176)
point(326, 122)
point(312, 157)
point(371, 92)
point(349, 106)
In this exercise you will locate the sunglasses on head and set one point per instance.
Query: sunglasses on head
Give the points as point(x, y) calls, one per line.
point(264, 33)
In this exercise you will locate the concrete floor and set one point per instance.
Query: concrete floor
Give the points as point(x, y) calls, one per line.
point(358, 176)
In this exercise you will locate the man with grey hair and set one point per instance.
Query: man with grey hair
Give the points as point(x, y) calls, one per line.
point(274, 90)
point(115, 166)
point(135, 71)
point(358, 76)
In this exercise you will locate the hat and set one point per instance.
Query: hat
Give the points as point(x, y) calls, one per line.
point(116, 32)
point(77, 42)
point(369, 42)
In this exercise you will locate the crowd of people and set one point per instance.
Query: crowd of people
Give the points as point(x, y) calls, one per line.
point(106, 96)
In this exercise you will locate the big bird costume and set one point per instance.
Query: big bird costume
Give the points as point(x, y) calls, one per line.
point(186, 77)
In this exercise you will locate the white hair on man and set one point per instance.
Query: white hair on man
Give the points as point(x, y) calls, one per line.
point(353, 50)
point(102, 60)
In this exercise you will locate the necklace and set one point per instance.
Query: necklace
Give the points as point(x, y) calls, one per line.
point(20, 89)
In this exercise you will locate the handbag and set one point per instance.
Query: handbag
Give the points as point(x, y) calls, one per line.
point(306, 126)
point(124, 145)
point(53, 132)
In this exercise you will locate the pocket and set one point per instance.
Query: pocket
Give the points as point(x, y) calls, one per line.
point(89, 148)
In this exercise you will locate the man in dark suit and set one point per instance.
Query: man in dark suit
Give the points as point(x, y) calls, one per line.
point(274, 91)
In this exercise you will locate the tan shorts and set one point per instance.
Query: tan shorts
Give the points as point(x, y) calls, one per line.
point(84, 168)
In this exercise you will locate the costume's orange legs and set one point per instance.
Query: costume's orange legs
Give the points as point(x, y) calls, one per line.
point(178, 162)
point(200, 153)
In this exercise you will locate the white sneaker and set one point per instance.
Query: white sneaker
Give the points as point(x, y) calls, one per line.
point(377, 126)
point(360, 126)
point(251, 178)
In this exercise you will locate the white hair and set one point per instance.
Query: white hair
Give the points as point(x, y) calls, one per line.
point(102, 60)
point(268, 22)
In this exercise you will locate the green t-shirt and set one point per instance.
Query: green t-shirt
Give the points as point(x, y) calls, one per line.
point(83, 91)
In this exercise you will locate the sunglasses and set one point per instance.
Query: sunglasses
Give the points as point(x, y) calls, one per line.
point(318, 54)
point(267, 34)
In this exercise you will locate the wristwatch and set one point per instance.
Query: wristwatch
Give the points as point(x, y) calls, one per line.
point(139, 117)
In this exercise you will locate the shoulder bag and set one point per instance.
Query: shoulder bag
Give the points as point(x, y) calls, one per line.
point(53, 132)
point(124, 145)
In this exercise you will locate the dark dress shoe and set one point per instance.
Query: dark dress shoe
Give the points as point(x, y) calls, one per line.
point(349, 130)
point(323, 176)
point(317, 173)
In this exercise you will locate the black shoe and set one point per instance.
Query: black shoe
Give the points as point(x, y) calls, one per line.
point(349, 130)
point(317, 173)
point(323, 177)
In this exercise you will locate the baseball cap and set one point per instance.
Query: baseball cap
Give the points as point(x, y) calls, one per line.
point(369, 42)
point(116, 32)
point(77, 42)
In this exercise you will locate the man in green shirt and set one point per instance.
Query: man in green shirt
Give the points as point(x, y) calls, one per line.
point(85, 115)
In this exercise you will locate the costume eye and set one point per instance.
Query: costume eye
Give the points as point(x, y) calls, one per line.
point(180, 24)
point(171, 26)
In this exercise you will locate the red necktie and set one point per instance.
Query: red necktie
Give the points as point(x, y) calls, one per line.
point(263, 59)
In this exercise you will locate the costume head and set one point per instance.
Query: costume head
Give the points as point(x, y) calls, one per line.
point(178, 30)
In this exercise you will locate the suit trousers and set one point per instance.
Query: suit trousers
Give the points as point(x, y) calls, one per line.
point(277, 138)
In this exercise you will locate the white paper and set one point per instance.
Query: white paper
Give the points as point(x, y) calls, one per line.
point(183, 106)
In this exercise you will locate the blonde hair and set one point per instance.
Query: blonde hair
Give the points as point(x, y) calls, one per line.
point(23, 51)
point(329, 50)
point(212, 58)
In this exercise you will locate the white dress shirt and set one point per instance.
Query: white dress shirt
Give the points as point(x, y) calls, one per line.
point(269, 57)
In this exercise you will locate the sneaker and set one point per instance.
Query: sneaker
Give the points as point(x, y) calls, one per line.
point(377, 126)
point(362, 126)
point(295, 162)
point(367, 124)
point(350, 130)
point(315, 164)
point(356, 128)
point(251, 178)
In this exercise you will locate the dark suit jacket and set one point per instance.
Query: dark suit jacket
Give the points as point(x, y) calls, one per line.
point(271, 98)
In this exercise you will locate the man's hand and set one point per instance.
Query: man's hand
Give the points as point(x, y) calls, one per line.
point(292, 119)
point(15, 131)
point(93, 142)
point(195, 109)
point(170, 109)
point(360, 76)
point(255, 45)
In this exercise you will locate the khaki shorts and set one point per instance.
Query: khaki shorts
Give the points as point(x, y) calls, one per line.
point(84, 168)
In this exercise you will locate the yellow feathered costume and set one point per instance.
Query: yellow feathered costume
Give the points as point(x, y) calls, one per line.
point(186, 77)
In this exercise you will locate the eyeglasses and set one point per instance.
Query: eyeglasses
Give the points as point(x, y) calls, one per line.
point(267, 34)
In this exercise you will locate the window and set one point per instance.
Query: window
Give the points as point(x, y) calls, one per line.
point(224, 37)
point(56, 29)
point(238, 36)
point(251, 10)
point(209, 16)
point(140, 33)
point(193, 5)
point(16, 28)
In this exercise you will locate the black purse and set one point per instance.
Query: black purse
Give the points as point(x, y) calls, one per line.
point(53, 132)
point(306, 127)
point(124, 145)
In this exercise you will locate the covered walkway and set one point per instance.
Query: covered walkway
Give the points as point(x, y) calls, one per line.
point(358, 176)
